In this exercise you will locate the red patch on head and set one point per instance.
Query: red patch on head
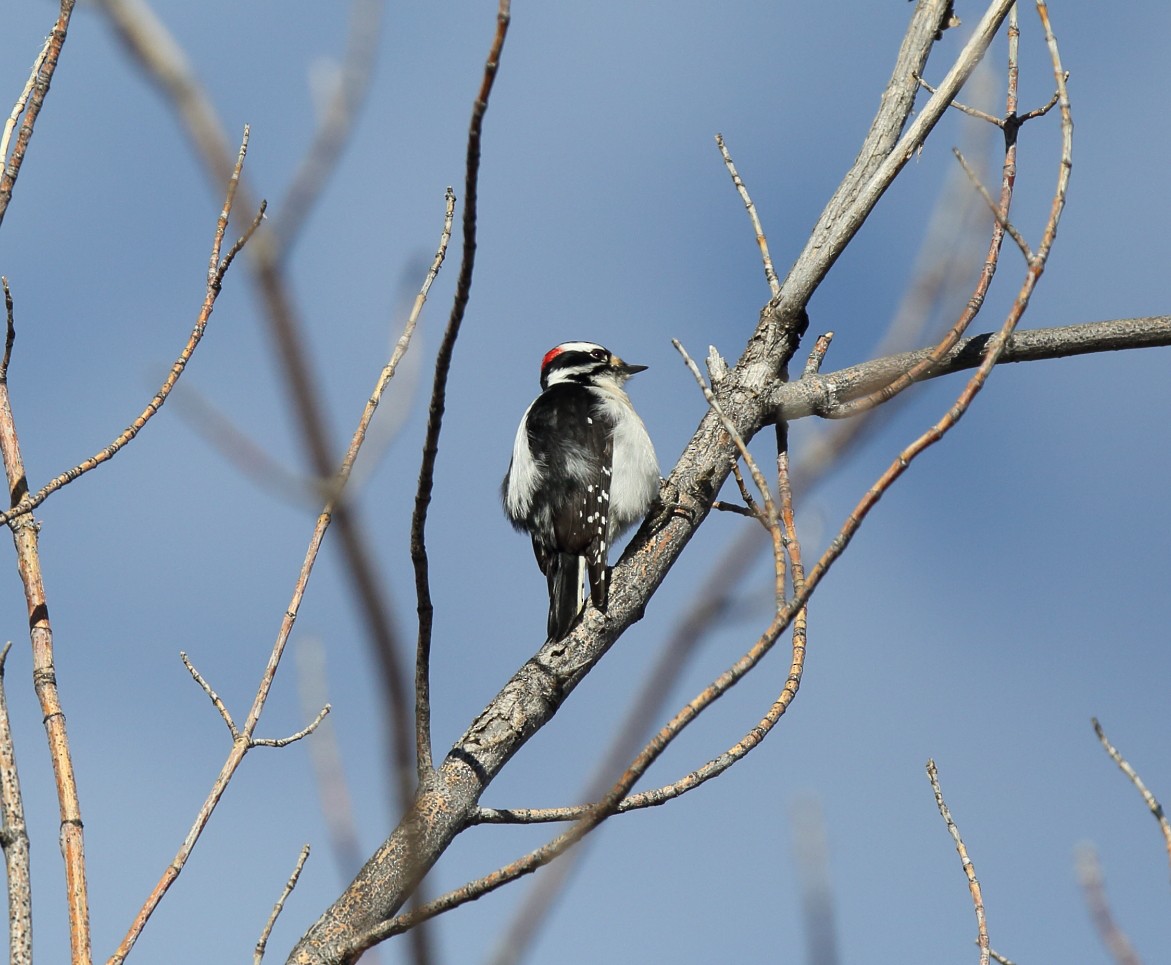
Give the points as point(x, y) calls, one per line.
point(549, 357)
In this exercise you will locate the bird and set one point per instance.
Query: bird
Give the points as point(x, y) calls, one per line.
point(583, 471)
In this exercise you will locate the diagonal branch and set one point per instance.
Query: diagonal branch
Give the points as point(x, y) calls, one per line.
point(1000, 211)
point(217, 268)
point(1089, 875)
point(1149, 799)
point(30, 103)
point(965, 861)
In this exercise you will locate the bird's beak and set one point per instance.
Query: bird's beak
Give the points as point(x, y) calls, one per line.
point(625, 369)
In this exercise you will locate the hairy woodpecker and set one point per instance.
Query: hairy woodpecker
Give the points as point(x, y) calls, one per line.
point(583, 471)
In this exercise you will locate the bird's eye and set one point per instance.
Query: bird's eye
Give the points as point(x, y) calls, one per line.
point(600, 354)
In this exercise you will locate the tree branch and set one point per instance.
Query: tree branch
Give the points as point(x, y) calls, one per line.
point(825, 395)
point(30, 103)
point(969, 868)
point(14, 839)
point(26, 539)
point(463, 291)
point(1149, 799)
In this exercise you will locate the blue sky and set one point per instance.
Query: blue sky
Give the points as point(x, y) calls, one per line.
point(1012, 585)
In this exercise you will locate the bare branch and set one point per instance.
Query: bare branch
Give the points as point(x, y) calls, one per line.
point(303, 732)
point(1089, 875)
point(817, 355)
point(14, 839)
point(1000, 225)
point(1151, 801)
point(211, 694)
point(769, 517)
point(262, 941)
point(217, 267)
point(884, 152)
point(770, 274)
point(22, 101)
point(30, 102)
point(823, 395)
point(811, 859)
point(463, 290)
point(969, 869)
point(1000, 217)
point(10, 330)
point(26, 539)
point(336, 120)
point(326, 759)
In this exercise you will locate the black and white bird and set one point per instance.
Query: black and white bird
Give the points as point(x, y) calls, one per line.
point(583, 471)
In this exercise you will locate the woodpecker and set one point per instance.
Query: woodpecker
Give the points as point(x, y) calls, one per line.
point(583, 471)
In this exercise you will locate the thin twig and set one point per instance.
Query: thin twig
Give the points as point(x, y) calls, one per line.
point(770, 509)
point(336, 121)
point(1151, 801)
point(1000, 217)
point(749, 503)
point(964, 108)
point(1000, 122)
point(1001, 224)
point(1089, 875)
point(30, 102)
point(326, 758)
point(14, 839)
point(9, 330)
point(262, 941)
point(969, 869)
point(463, 290)
point(817, 355)
point(211, 694)
point(217, 269)
point(811, 862)
point(770, 274)
point(720, 506)
point(292, 738)
point(22, 102)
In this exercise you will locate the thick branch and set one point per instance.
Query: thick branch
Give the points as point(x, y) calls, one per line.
point(822, 394)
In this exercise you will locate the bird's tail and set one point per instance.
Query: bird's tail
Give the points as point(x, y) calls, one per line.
point(565, 574)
